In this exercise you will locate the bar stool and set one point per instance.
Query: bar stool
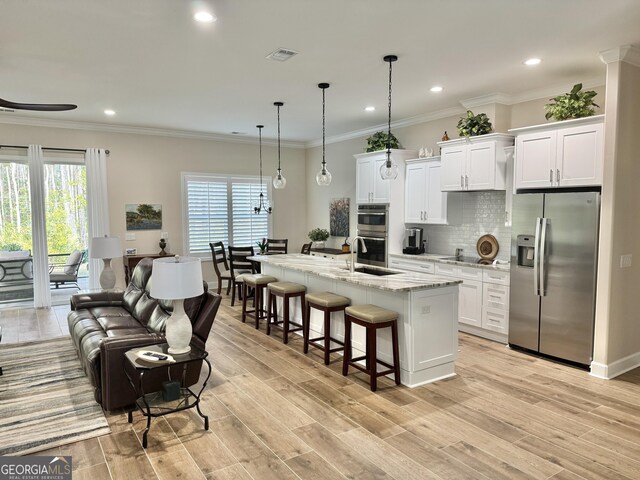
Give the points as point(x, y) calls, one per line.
point(258, 282)
point(286, 290)
point(327, 303)
point(372, 318)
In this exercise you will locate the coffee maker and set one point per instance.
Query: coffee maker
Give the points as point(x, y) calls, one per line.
point(413, 241)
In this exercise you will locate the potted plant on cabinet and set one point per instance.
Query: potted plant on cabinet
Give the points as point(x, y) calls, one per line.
point(473, 125)
point(318, 236)
point(575, 104)
point(378, 141)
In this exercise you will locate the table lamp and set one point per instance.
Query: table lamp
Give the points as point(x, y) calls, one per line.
point(106, 248)
point(177, 278)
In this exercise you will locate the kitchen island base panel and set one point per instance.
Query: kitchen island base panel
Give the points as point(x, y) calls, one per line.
point(484, 333)
point(427, 323)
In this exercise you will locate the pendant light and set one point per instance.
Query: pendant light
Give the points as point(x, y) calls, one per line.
point(323, 177)
point(262, 205)
point(279, 181)
point(389, 169)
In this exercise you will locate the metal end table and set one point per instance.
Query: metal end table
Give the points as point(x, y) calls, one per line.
point(152, 404)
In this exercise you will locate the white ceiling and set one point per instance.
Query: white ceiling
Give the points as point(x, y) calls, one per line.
point(149, 61)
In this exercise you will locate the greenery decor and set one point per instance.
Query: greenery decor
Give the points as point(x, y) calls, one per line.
point(575, 104)
point(262, 245)
point(378, 141)
point(473, 125)
point(318, 235)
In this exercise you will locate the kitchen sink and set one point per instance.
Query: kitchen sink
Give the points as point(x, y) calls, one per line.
point(375, 271)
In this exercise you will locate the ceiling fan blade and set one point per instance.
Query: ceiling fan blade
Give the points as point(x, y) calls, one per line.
point(39, 107)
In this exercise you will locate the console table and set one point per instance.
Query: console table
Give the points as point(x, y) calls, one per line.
point(130, 262)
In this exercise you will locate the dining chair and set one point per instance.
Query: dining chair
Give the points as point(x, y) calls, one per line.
point(239, 264)
point(220, 258)
point(277, 245)
point(306, 248)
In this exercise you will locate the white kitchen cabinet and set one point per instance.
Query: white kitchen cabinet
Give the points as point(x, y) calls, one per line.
point(562, 154)
point(424, 200)
point(370, 187)
point(470, 303)
point(419, 266)
point(509, 187)
point(474, 163)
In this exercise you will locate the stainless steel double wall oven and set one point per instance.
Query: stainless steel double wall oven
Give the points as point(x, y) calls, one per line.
point(373, 227)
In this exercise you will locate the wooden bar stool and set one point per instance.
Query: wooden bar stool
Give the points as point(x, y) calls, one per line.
point(327, 303)
point(286, 290)
point(258, 282)
point(372, 318)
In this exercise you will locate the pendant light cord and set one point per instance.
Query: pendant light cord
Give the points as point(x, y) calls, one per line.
point(260, 136)
point(324, 163)
point(389, 131)
point(279, 169)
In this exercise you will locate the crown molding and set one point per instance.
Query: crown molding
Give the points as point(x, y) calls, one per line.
point(12, 119)
point(626, 53)
point(503, 98)
point(423, 118)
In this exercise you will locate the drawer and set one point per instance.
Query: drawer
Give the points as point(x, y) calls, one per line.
point(418, 266)
point(495, 276)
point(446, 269)
point(495, 296)
point(470, 273)
point(495, 320)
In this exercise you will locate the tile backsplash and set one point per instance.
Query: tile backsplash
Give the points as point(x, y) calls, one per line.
point(483, 212)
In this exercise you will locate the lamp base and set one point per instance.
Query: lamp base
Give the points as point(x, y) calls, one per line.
point(107, 276)
point(178, 332)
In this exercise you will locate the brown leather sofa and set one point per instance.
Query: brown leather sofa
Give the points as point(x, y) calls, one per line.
point(104, 325)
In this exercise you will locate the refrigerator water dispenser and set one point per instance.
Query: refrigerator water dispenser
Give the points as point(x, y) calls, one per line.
point(526, 250)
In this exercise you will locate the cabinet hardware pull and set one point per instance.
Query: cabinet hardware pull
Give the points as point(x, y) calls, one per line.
point(466, 182)
point(421, 215)
point(461, 181)
point(551, 176)
point(558, 176)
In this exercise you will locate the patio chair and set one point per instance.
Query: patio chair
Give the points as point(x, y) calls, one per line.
point(66, 274)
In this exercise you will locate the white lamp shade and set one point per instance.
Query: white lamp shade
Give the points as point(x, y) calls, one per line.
point(173, 280)
point(105, 247)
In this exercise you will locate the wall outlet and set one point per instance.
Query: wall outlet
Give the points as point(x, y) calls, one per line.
point(165, 235)
point(426, 310)
point(625, 260)
point(130, 236)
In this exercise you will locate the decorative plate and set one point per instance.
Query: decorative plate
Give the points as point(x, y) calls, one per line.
point(487, 247)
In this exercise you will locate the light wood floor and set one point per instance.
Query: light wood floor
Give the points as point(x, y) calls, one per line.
point(277, 414)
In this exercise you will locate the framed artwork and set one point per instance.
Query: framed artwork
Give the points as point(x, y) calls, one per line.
point(143, 216)
point(131, 251)
point(339, 217)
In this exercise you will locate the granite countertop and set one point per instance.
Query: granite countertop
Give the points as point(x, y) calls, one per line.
point(336, 270)
point(451, 260)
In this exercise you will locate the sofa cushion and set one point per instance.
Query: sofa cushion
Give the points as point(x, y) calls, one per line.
point(108, 312)
point(126, 332)
point(112, 323)
point(144, 307)
point(158, 320)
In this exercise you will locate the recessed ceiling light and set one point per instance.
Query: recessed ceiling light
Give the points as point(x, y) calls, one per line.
point(532, 61)
point(369, 109)
point(204, 17)
point(436, 89)
point(109, 112)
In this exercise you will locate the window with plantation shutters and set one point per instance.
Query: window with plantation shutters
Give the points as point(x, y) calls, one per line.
point(220, 208)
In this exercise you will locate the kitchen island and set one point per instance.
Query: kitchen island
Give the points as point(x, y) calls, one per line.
point(427, 306)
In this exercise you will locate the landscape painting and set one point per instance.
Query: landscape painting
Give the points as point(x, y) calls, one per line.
point(339, 217)
point(144, 216)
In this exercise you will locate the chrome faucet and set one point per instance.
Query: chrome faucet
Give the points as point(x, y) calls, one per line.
point(354, 243)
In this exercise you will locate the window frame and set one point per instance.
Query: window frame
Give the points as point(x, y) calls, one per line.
point(229, 178)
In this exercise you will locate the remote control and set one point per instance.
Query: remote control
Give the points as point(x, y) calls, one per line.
point(154, 356)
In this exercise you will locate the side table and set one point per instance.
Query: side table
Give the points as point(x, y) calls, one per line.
point(151, 404)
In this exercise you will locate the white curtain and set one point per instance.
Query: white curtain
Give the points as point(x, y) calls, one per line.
point(97, 206)
point(41, 292)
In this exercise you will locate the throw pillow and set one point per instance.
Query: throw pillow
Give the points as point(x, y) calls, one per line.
point(71, 265)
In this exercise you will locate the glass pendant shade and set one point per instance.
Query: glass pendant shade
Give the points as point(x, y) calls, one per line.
point(389, 170)
point(323, 177)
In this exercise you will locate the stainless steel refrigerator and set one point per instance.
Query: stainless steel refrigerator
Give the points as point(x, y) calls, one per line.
point(554, 247)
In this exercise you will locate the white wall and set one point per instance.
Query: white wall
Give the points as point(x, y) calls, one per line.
point(146, 169)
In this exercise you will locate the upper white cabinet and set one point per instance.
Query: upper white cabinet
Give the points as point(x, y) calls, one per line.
point(370, 187)
point(474, 163)
point(562, 154)
point(424, 200)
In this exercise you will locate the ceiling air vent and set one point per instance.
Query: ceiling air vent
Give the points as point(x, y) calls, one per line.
point(282, 54)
